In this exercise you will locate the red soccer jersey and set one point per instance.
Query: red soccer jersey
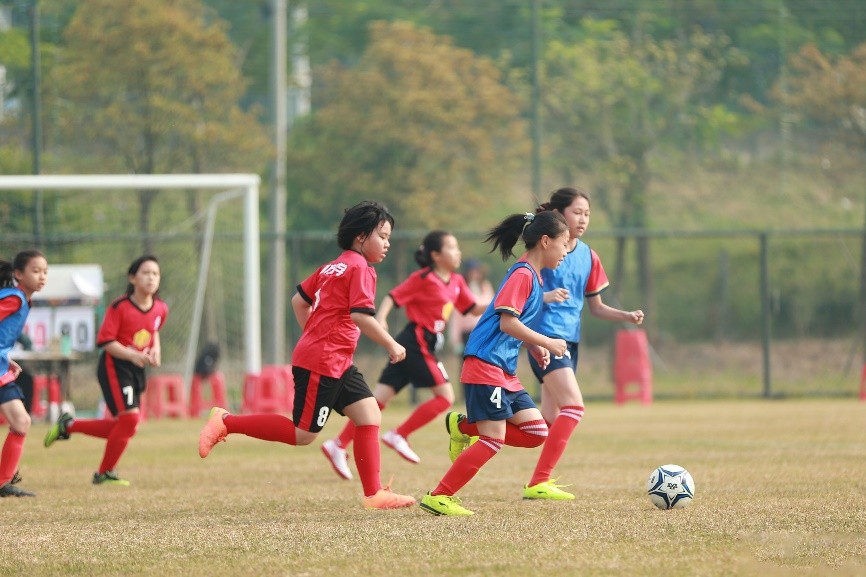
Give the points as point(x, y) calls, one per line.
point(130, 326)
point(429, 300)
point(336, 290)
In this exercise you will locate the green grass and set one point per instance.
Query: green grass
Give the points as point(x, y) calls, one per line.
point(781, 490)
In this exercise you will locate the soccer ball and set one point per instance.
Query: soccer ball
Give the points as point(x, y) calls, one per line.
point(670, 487)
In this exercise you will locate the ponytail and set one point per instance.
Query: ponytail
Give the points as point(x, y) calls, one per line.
point(529, 226)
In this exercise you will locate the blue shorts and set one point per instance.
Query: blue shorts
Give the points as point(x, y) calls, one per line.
point(10, 392)
point(568, 360)
point(489, 403)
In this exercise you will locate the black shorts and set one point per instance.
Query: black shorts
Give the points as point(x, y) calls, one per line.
point(317, 395)
point(421, 367)
point(121, 382)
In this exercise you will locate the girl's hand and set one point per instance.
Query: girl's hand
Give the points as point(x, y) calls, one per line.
point(636, 317)
point(541, 355)
point(558, 295)
point(557, 347)
point(396, 353)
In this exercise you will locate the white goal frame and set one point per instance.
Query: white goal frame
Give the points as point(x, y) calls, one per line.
point(246, 184)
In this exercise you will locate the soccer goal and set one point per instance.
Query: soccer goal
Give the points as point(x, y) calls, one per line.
point(209, 255)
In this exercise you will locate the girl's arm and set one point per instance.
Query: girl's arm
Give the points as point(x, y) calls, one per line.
point(302, 309)
point(512, 326)
point(600, 310)
point(384, 309)
point(377, 333)
point(120, 352)
point(156, 351)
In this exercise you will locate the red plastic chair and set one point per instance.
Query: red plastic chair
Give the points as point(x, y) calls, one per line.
point(217, 393)
point(632, 369)
point(165, 396)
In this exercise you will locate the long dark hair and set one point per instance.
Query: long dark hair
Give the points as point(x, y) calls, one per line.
point(19, 263)
point(431, 243)
point(133, 270)
point(529, 226)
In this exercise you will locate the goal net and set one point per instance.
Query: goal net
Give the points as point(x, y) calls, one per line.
point(203, 228)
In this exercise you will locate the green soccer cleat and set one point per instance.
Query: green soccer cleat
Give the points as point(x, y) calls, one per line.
point(444, 505)
point(547, 490)
point(458, 441)
point(58, 430)
point(109, 478)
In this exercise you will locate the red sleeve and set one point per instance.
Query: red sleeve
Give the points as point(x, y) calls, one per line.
point(515, 292)
point(307, 288)
point(362, 289)
point(403, 292)
point(597, 280)
point(9, 305)
point(465, 299)
point(110, 326)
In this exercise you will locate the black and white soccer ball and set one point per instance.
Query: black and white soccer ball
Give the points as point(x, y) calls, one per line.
point(670, 487)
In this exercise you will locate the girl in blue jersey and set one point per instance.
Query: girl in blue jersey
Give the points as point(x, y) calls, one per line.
point(579, 280)
point(19, 279)
point(497, 405)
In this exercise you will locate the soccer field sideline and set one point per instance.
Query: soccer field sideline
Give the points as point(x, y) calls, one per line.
point(780, 490)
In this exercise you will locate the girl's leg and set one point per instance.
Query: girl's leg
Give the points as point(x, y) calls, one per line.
point(367, 418)
point(10, 456)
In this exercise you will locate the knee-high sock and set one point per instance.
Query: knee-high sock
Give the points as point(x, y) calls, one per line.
point(368, 458)
point(93, 427)
point(423, 414)
point(348, 433)
point(266, 427)
point(528, 434)
point(11, 455)
point(124, 429)
point(560, 431)
point(467, 465)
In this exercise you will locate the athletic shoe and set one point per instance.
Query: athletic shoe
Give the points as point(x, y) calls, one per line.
point(387, 499)
point(401, 445)
point(58, 430)
point(338, 457)
point(10, 490)
point(458, 442)
point(16, 478)
point(547, 490)
point(109, 478)
point(214, 431)
point(444, 505)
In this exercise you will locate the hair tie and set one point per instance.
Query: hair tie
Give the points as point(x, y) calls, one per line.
point(529, 216)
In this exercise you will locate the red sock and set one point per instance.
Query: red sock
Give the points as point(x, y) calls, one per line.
point(267, 427)
point(467, 465)
point(561, 430)
point(348, 433)
point(528, 434)
point(94, 427)
point(124, 429)
point(367, 458)
point(11, 455)
point(423, 414)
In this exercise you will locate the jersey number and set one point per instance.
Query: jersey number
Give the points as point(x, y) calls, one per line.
point(127, 390)
point(323, 416)
point(496, 397)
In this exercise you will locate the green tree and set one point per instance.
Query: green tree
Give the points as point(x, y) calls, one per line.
point(420, 124)
point(610, 98)
point(152, 87)
point(831, 91)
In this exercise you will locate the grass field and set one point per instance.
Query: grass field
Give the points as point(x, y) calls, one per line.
point(781, 490)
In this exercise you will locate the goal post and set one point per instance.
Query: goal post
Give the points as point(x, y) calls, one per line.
point(230, 185)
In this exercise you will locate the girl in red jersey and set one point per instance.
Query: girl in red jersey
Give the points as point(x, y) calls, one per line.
point(334, 306)
point(499, 410)
point(19, 279)
point(429, 296)
point(129, 339)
